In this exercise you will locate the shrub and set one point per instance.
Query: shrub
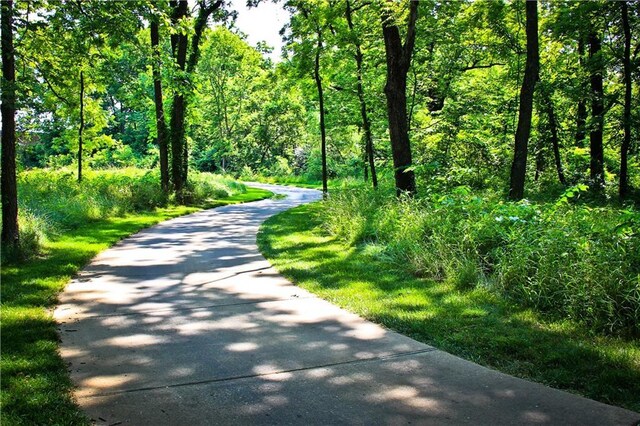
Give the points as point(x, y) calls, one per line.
point(571, 261)
point(49, 199)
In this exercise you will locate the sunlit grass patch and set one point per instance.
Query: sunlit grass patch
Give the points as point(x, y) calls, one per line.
point(35, 384)
point(476, 323)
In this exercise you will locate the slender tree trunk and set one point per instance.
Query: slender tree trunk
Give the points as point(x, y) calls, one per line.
point(398, 61)
point(323, 136)
point(365, 159)
point(540, 163)
point(597, 113)
point(81, 128)
point(555, 144)
point(10, 231)
point(366, 123)
point(581, 119)
point(177, 137)
point(519, 165)
point(623, 189)
point(161, 125)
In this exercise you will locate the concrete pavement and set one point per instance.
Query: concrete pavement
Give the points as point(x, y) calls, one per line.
point(186, 323)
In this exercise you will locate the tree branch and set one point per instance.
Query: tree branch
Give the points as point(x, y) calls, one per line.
point(46, 80)
point(407, 49)
point(478, 66)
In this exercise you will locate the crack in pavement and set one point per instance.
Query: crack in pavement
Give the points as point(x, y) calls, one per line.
point(190, 308)
point(270, 373)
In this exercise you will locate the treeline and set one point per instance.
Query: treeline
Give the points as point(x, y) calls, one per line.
point(523, 97)
point(475, 89)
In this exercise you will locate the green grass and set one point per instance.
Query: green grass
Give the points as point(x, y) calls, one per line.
point(476, 324)
point(36, 388)
point(304, 182)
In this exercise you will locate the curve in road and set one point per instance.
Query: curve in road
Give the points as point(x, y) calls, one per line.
point(185, 323)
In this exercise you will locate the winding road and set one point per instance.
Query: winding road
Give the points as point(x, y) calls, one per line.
point(185, 323)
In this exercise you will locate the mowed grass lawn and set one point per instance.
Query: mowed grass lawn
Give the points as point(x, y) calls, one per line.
point(476, 324)
point(35, 384)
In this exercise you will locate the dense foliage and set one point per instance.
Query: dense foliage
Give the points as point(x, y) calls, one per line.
point(550, 257)
point(249, 115)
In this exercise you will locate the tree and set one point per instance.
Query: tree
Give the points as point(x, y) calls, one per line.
point(623, 188)
point(398, 56)
point(323, 131)
point(312, 20)
point(366, 123)
point(10, 231)
point(597, 111)
point(185, 68)
point(549, 109)
point(81, 126)
point(519, 164)
point(161, 125)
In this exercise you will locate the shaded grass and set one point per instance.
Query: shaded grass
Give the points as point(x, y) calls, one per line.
point(36, 388)
point(475, 324)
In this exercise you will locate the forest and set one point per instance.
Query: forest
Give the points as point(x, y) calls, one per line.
point(489, 146)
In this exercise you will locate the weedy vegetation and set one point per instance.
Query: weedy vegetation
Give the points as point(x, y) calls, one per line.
point(63, 225)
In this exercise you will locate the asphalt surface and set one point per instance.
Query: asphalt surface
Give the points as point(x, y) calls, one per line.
point(186, 323)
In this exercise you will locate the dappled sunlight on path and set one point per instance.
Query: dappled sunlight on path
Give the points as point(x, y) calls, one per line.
point(186, 323)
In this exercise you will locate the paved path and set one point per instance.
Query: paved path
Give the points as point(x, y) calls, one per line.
point(186, 323)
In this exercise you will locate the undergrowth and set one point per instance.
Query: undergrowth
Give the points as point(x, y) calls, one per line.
point(53, 200)
point(568, 260)
point(472, 321)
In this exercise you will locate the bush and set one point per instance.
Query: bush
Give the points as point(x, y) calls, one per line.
point(571, 261)
point(51, 199)
point(33, 231)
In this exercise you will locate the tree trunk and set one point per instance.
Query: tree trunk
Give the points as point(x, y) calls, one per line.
point(519, 165)
point(398, 58)
point(81, 128)
point(178, 108)
point(553, 124)
point(366, 123)
point(581, 119)
point(161, 126)
point(553, 128)
point(179, 45)
point(597, 112)
point(623, 189)
point(316, 75)
point(10, 232)
point(540, 162)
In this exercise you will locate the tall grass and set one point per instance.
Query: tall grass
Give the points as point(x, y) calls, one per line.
point(53, 200)
point(571, 261)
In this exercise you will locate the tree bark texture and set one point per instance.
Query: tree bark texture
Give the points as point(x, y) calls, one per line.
point(323, 136)
point(366, 123)
point(597, 113)
point(398, 57)
point(519, 165)
point(179, 43)
point(81, 127)
point(623, 189)
point(10, 231)
point(179, 46)
point(161, 125)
